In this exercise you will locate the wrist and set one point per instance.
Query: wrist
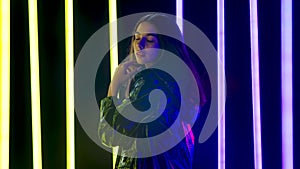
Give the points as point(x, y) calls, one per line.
point(113, 89)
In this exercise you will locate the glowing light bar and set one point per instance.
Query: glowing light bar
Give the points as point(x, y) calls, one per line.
point(113, 36)
point(179, 14)
point(221, 84)
point(287, 84)
point(4, 82)
point(113, 39)
point(255, 84)
point(70, 119)
point(35, 85)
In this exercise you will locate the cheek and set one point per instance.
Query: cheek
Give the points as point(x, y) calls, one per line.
point(153, 50)
point(155, 45)
point(154, 53)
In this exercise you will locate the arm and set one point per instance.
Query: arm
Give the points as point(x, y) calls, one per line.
point(109, 116)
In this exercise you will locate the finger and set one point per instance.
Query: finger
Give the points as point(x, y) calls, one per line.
point(139, 68)
point(128, 63)
point(132, 67)
point(130, 73)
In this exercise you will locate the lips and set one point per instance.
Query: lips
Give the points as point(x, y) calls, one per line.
point(139, 54)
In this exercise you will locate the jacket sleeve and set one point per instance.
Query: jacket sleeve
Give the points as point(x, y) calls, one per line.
point(112, 121)
point(109, 121)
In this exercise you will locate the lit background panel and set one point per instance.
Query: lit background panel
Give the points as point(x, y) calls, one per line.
point(221, 84)
point(287, 84)
point(4, 82)
point(113, 39)
point(255, 84)
point(70, 123)
point(179, 14)
point(35, 84)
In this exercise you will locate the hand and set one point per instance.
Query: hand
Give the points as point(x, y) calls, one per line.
point(123, 73)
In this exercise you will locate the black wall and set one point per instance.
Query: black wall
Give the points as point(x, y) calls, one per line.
point(89, 16)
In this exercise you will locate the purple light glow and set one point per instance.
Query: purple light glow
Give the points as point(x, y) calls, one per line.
point(221, 84)
point(255, 85)
point(287, 84)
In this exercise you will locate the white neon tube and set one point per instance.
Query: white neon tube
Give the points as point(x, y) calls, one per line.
point(255, 84)
point(287, 83)
point(179, 14)
point(221, 84)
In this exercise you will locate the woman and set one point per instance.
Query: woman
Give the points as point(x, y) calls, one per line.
point(132, 83)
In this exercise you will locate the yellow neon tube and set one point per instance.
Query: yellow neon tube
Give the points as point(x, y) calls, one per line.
point(35, 86)
point(4, 82)
point(69, 84)
point(113, 36)
point(113, 39)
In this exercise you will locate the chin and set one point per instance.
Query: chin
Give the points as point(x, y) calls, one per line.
point(140, 62)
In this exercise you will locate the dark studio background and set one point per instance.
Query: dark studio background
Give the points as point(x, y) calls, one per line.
point(89, 16)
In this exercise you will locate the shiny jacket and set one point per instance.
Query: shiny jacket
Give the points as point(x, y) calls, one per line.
point(178, 157)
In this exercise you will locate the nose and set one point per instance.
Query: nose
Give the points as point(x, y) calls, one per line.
point(141, 43)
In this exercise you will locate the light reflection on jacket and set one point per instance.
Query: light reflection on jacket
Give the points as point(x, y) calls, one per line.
point(179, 157)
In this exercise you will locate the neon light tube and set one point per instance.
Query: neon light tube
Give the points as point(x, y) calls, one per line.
point(221, 84)
point(255, 84)
point(113, 39)
point(35, 85)
point(4, 82)
point(179, 14)
point(287, 84)
point(113, 36)
point(70, 85)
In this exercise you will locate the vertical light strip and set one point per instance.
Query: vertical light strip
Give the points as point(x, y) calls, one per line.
point(221, 84)
point(70, 84)
point(287, 84)
point(113, 39)
point(255, 84)
point(35, 85)
point(113, 36)
point(4, 82)
point(179, 14)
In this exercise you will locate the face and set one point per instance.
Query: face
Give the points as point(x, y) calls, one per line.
point(145, 44)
